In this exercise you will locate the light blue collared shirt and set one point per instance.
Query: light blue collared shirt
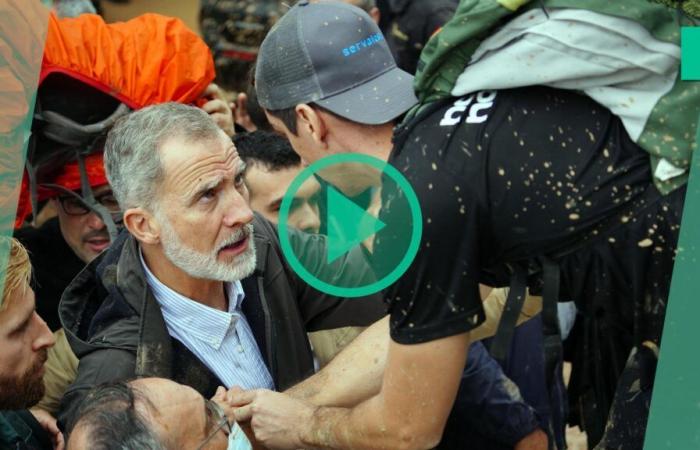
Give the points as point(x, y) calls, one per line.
point(222, 340)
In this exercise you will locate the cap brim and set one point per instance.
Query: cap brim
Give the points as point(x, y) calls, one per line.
point(377, 101)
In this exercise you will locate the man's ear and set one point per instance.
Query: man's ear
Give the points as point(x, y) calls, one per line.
point(375, 15)
point(142, 225)
point(311, 122)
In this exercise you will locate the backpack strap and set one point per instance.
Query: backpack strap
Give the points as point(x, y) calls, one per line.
point(500, 346)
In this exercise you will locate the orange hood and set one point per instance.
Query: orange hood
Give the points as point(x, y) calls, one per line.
point(147, 60)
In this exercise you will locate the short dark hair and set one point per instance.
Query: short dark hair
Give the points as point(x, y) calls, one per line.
point(111, 420)
point(269, 149)
point(288, 116)
point(255, 111)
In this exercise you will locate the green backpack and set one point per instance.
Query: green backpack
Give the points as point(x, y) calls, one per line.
point(666, 127)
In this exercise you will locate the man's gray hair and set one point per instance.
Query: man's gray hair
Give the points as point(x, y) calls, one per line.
point(131, 157)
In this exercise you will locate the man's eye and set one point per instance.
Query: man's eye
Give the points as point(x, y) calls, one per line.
point(22, 328)
point(239, 179)
point(208, 194)
point(109, 202)
point(74, 203)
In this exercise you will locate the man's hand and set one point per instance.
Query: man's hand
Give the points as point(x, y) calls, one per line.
point(427, 372)
point(537, 440)
point(277, 419)
point(48, 423)
point(240, 113)
point(218, 108)
point(221, 398)
point(224, 399)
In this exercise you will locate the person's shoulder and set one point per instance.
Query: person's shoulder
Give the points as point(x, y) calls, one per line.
point(47, 233)
point(470, 109)
point(47, 248)
point(445, 125)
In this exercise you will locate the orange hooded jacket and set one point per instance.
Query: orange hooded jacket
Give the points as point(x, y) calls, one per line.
point(147, 60)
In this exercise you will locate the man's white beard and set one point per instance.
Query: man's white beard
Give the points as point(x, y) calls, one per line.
point(207, 266)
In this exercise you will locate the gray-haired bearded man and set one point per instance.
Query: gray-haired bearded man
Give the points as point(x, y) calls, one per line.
point(197, 290)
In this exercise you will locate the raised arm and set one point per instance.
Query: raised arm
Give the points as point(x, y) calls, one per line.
point(356, 373)
point(352, 376)
point(409, 411)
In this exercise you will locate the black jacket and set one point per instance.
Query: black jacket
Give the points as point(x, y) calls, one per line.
point(115, 326)
point(54, 265)
point(410, 24)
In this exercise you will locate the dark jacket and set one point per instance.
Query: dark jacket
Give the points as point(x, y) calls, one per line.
point(54, 264)
point(115, 326)
point(411, 24)
point(19, 430)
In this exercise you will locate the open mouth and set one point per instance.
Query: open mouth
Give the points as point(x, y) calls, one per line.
point(236, 247)
point(97, 244)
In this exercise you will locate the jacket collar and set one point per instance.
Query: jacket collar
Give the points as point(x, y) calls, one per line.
point(113, 288)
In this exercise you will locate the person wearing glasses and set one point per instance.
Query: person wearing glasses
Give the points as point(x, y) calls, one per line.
point(155, 414)
point(195, 289)
point(80, 95)
point(63, 245)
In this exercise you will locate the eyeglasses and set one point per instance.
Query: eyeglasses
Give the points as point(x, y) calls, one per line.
point(73, 206)
point(217, 416)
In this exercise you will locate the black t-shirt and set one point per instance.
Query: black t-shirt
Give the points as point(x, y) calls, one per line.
point(54, 266)
point(503, 177)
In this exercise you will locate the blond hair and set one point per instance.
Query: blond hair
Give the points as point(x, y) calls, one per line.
point(19, 269)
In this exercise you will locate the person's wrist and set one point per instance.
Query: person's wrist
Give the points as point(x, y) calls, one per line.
point(308, 425)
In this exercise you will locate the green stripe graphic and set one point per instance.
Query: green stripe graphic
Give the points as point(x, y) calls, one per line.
point(23, 26)
point(690, 53)
point(674, 421)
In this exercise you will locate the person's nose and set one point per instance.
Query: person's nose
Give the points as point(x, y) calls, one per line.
point(237, 212)
point(94, 221)
point(44, 337)
point(310, 220)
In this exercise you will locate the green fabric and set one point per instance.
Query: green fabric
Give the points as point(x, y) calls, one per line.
point(674, 419)
point(8, 434)
point(445, 55)
point(671, 125)
point(690, 7)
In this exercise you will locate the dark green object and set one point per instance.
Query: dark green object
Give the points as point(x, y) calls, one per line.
point(671, 124)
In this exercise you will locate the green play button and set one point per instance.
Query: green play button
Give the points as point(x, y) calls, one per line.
point(344, 261)
point(348, 224)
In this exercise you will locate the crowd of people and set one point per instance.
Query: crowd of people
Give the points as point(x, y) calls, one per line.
point(148, 302)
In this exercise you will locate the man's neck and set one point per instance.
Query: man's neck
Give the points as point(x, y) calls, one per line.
point(207, 292)
point(373, 140)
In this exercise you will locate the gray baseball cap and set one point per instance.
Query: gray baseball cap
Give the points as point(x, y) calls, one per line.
point(334, 55)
